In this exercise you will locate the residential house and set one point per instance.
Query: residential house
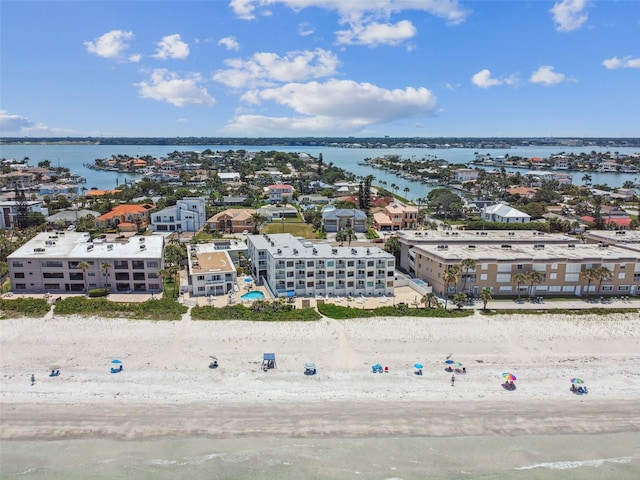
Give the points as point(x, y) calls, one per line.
point(233, 220)
point(10, 211)
point(504, 214)
point(402, 216)
point(279, 193)
point(337, 219)
point(465, 175)
point(187, 215)
point(126, 215)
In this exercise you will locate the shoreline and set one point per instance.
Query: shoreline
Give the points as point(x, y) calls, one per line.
point(167, 389)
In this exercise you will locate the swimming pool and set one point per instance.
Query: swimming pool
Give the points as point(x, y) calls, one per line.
point(253, 295)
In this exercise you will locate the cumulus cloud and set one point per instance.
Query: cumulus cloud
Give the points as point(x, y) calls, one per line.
point(615, 63)
point(305, 29)
point(375, 34)
point(166, 86)
point(264, 68)
point(11, 124)
point(569, 15)
point(334, 106)
point(112, 45)
point(171, 46)
point(230, 43)
point(366, 20)
point(483, 79)
point(545, 75)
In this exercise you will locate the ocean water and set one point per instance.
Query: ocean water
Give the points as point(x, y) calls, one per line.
point(584, 457)
point(75, 157)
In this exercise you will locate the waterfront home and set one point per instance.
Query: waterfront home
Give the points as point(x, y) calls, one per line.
point(126, 213)
point(608, 167)
point(279, 193)
point(402, 216)
point(465, 174)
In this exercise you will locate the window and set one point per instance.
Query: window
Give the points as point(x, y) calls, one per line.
point(607, 288)
point(52, 286)
point(19, 275)
point(571, 277)
point(122, 276)
point(154, 286)
point(74, 276)
point(621, 275)
point(18, 264)
point(137, 265)
point(54, 275)
point(623, 288)
point(553, 276)
point(201, 289)
point(138, 276)
point(503, 278)
point(153, 264)
point(200, 277)
point(51, 264)
point(121, 265)
point(483, 276)
point(20, 286)
point(152, 275)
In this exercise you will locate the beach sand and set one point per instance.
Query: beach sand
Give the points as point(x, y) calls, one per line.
point(166, 387)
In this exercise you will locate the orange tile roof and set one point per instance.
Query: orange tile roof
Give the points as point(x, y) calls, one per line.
point(126, 209)
point(99, 193)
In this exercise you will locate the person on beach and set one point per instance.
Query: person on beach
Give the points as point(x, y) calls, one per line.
point(453, 380)
point(33, 379)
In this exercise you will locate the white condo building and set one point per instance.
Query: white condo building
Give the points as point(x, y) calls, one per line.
point(289, 266)
point(50, 262)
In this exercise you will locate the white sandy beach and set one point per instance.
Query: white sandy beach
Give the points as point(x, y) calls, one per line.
point(166, 387)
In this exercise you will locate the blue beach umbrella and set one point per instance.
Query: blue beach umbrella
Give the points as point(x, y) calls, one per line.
point(417, 365)
point(116, 361)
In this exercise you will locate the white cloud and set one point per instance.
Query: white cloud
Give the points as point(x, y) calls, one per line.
point(264, 68)
point(334, 106)
point(171, 46)
point(11, 124)
point(168, 87)
point(230, 43)
point(483, 79)
point(182, 120)
point(112, 45)
point(626, 62)
point(569, 15)
point(546, 76)
point(305, 29)
point(374, 34)
point(366, 19)
point(135, 58)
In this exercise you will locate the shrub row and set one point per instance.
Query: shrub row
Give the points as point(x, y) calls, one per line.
point(26, 307)
point(161, 309)
point(560, 311)
point(401, 310)
point(267, 314)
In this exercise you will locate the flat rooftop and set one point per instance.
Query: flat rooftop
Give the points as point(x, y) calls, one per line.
point(482, 236)
point(206, 258)
point(613, 236)
point(76, 245)
point(529, 253)
point(286, 245)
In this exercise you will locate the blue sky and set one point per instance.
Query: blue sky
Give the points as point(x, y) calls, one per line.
point(243, 68)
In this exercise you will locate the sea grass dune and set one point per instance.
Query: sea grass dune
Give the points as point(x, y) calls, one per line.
point(166, 377)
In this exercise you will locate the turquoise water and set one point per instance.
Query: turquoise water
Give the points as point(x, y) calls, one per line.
point(566, 457)
point(254, 295)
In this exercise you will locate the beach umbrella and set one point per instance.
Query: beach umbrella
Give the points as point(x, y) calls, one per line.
point(417, 365)
point(577, 381)
point(310, 365)
point(448, 361)
point(115, 360)
point(54, 367)
point(248, 279)
point(457, 365)
point(510, 377)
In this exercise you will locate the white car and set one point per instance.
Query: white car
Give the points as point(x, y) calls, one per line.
point(245, 232)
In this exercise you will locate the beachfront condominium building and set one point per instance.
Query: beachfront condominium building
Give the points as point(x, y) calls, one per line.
point(289, 266)
point(53, 262)
point(561, 269)
point(187, 215)
point(211, 268)
point(410, 239)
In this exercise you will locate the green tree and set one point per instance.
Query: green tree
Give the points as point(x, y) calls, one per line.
point(105, 266)
point(460, 300)
point(450, 277)
point(467, 264)
point(520, 279)
point(534, 278)
point(84, 266)
point(392, 246)
point(257, 220)
point(485, 296)
point(589, 274)
point(603, 274)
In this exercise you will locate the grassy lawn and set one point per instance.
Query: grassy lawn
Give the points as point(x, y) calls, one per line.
point(296, 229)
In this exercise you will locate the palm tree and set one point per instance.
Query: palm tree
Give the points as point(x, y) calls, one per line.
point(348, 234)
point(603, 273)
point(460, 300)
point(534, 277)
point(450, 276)
point(586, 179)
point(590, 274)
point(429, 299)
point(485, 296)
point(520, 278)
point(467, 264)
point(406, 191)
point(105, 266)
point(83, 266)
point(256, 220)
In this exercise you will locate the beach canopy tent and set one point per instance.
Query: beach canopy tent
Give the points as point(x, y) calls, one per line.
point(269, 361)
